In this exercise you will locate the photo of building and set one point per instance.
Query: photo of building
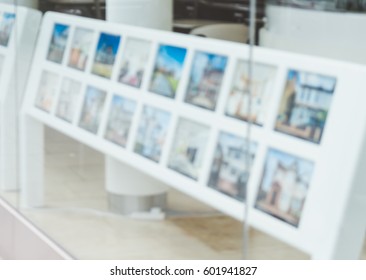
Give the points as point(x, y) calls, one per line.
point(229, 170)
point(92, 109)
point(168, 70)
point(206, 78)
point(133, 66)
point(58, 43)
point(6, 26)
point(189, 148)
point(262, 84)
point(105, 55)
point(151, 134)
point(47, 91)
point(119, 120)
point(68, 99)
point(305, 104)
point(80, 48)
point(284, 186)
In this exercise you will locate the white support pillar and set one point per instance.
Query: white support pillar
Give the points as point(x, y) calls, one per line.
point(130, 191)
point(31, 162)
point(157, 14)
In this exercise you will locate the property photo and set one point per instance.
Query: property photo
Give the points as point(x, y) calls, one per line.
point(189, 148)
point(168, 70)
point(230, 168)
point(134, 62)
point(58, 43)
point(68, 99)
point(119, 121)
point(6, 26)
point(105, 55)
point(305, 105)
point(152, 131)
point(47, 91)
point(205, 79)
point(261, 84)
point(80, 48)
point(92, 109)
point(284, 186)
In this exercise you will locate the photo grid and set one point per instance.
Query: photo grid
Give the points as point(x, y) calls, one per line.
point(302, 113)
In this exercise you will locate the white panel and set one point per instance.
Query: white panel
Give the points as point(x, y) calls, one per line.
point(330, 167)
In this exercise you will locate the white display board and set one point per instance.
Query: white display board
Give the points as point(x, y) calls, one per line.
point(18, 33)
point(173, 107)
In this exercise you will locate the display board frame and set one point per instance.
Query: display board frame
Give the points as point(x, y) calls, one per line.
point(320, 232)
point(18, 31)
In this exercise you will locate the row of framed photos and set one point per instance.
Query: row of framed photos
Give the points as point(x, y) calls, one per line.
point(304, 106)
point(285, 179)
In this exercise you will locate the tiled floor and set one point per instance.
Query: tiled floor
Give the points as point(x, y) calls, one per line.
point(76, 216)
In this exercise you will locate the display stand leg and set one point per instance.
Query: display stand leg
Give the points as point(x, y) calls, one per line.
point(31, 162)
point(345, 240)
point(347, 243)
point(131, 191)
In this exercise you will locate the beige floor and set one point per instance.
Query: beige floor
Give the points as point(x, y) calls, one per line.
point(76, 216)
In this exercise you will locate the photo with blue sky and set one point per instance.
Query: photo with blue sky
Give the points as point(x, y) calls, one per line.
point(168, 70)
point(6, 26)
point(58, 43)
point(105, 55)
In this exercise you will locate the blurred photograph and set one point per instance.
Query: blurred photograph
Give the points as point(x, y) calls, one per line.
point(92, 109)
point(47, 91)
point(58, 43)
point(229, 171)
point(205, 79)
point(284, 186)
point(305, 104)
point(134, 61)
point(68, 99)
point(7, 21)
point(80, 48)
point(262, 83)
point(189, 148)
point(152, 132)
point(105, 55)
point(120, 119)
point(168, 70)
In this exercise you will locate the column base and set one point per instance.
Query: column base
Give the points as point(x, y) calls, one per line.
point(129, 204)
